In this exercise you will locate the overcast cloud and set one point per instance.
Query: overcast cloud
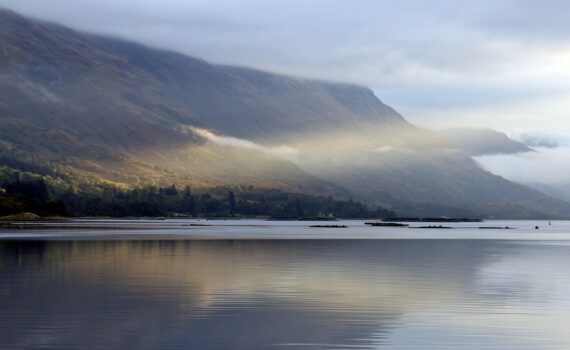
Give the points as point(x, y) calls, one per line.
point(502, 64)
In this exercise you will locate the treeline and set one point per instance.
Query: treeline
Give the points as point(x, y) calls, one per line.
point(219, 202)
point(29, 196)
point(34, 195)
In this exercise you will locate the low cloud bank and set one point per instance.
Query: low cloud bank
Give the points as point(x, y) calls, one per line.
point(546, 165)
point(282, 151)
point(541, 141)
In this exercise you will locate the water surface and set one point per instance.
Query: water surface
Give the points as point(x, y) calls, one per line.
point(431, 293)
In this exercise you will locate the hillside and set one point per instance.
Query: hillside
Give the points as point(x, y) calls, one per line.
point(131, 115)
point(119, 111)
point(479, 142)
point(560, 191)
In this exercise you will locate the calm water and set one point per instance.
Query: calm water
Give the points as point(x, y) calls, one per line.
point(454, 293)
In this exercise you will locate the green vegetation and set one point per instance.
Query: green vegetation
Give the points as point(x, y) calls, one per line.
point(218, 202)
point(28, 196)
point(55, 194)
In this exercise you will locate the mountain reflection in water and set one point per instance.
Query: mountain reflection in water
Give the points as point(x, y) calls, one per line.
point(444, 294)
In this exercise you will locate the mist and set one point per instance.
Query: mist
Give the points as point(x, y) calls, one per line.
point(339, 138)
point(550, 164)
point(497, 64)
point(281, 151)
point(546, 165)
point(481, 69)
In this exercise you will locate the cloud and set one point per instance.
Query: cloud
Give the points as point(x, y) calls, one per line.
point(384, 149)
point(547, 165)
point(282, 151)
point(539, 141)
point(225, 140)
point(545, 20)
point(550, 164)
point(443, 59)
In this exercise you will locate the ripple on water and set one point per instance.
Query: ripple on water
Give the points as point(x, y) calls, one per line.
point(306, 294)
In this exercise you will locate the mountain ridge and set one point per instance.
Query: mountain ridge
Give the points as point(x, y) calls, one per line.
point(125, 113)
point(484, 141)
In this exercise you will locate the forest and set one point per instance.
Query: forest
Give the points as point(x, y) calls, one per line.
point(55, 194)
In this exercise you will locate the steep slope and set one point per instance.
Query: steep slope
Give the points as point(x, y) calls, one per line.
point(560, 191)
point(416, 173)
point(479, 142)
point(65, 71)
point(119, 111)
point(130, 114)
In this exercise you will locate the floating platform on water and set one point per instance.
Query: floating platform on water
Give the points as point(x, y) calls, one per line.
point(303, 218)
point(496, 228)
point(397, 219)
point(386, 224)
point(432, 227)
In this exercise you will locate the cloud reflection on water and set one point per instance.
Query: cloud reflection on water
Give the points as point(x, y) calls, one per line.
point(252, 294)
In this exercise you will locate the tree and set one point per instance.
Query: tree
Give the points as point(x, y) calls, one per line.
point(232, 202)
point(299, 208)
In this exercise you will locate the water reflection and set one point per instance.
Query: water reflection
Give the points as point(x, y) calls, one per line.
point(299, 294)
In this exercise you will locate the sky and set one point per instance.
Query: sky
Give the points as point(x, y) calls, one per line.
point(441, 63)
